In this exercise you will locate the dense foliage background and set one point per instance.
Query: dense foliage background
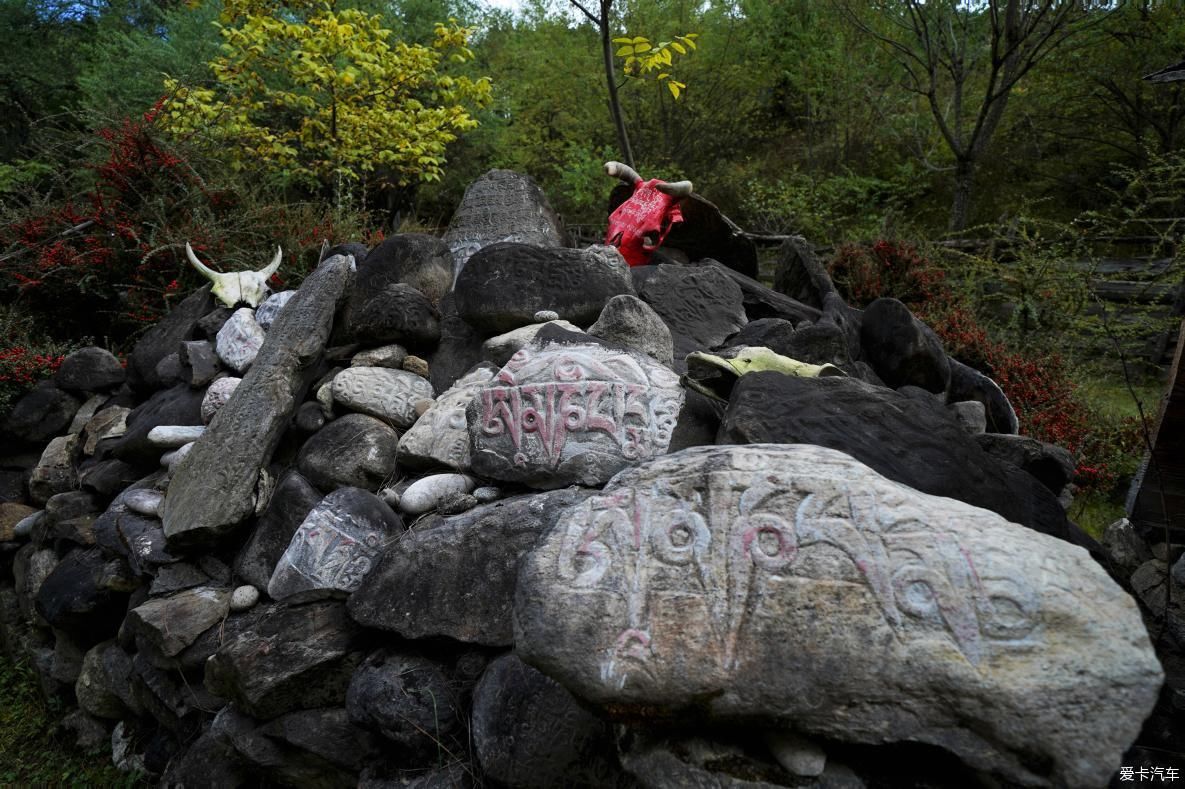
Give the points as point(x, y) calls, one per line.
point(979, 160)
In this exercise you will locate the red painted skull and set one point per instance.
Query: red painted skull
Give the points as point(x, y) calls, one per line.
point(641, 223)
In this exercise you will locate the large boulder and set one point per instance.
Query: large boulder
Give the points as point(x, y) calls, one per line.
point(701, 305)
point(42, 413)
point(90, 370)
point(901, 349)
point(398, 288)
point(355, 450)
point(214, 486)
point(795, 584)
point(568, 410)
point(504, 285)
point(407, 699)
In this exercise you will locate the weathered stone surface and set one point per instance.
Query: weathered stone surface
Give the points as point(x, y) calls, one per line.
point(425, 494)
point(72, 504)
point(502, 205)
point(902, 349)
point(294, 657)
point(335, 546)
point(199, 362)
point(970, 414)
point(408, 700)
point(911, 441)
point(531, 733)
point(569, 411)
point(457, 579)
point(41, 414)
point(216, 396)
point(627, 320)
point(179, 405)
point(773, 333)
point(144, 501)
point(30, 567)
point(395, 313)
point(173, 623)
point(1125, 547)
point(655, 762)
point(459, 348)
point(169, 372)
point(504, 285)
point(440, 437)
point(800, 274)
point(761, 302)
point(214, 487)
point(103, 687)
point(1051, 465)
point(291, 502)
point(794, 583)
point(422, 261)
point(85, 595)
point(309, 748)
point(798, 755)
point(388, 394)
point(158, 342)
point(111, 422)
point(498, 349)
point(701, 305)
point(55, 471)
point(266, 313)
point(967, 383)
point(355, 450)
point(239, 340)
point(11, 514)
point(90, 370)
point(391, 356)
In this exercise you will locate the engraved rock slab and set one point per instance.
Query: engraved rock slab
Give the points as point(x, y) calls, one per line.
point(335, 546)
point(440, 437)
point(565, 412)
point(793, 583)
point(388, 394)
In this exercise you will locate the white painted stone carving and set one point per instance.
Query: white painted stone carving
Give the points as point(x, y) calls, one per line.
point(572, 413)
point(439, 436)
point(388, 394)
point(793, 583)
point(239, 340)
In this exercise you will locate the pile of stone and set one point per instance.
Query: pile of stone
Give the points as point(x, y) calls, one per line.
point(447, 516)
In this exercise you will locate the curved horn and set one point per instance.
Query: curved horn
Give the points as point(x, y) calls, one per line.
point(676, 189)
point(274, 266)
point(622, 171)
point(204, 270)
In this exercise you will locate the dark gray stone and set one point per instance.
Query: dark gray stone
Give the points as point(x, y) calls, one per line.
point(967, 383)
point(1051, 465)
point(772, 333)
point(294, 657)
point(531, 733)
point(173, 623)
point(459, 348)
point(627, 320)
point(836, 312)
point(267, 311)
point(504, 285)
point(701, 305)
point(697, 762)
point(355, 450)
point(199, 362)
point(42, 413)
point(800, 274)
point(167, 698)
point(902, 349)
point(386, 311)
point(761, 302)
point(107, 477)
point(177, 577)
point(85, 595)
point(168, 371)
point(410, 701)
point(210, 762)
point(311, 748)
point(213, 488)
point(457, 579)
point(103, 687)
point(90, 370)
point(213, 321)
point(72, 504)
point(907, 440)
point(821, 343)
point(291, 501)
point(309, 417)
point(162, 339)
point(419, 260)
point(179, 405)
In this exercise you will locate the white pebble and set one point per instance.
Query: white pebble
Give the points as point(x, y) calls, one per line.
point(487, 494)
point(144, 501)
point(173, 436)
point(244, 597)
point(425, 494)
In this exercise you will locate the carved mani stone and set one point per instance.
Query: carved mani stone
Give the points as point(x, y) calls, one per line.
point(439, 437)
point(390, 395)
point(792, 583)
point(563, 412)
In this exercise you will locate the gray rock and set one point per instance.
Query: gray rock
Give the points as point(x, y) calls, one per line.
point(1049, 464)
point(425, 494)
point(797, 754)
point(162, 339)
point(1125, 547)
point(457, 579)
point(123, 754)
point(173, 623)
point(439, 437)
point(502, 206)
point(169, 460)
point(695, 580)
point(380, 392)
point(627, 320)
point(531, 733)
point(214, 487)
point(501, 347)
point(169, 372)
point(199, 362)
point(212, 321)
point(455, 503)
point(178, 577)
point(72, 504)
point(800, 274)
point(310, 748)
point(11, 516)
point(42, 413)
point(291, 502)
point(1151, 583)
point(487, 494)
point(239, 340)
point(309, 418)
point(570, 411)
point(504, 285)
point(216, 396)
point(111, 422)
point(179, 405)
point(355, 450)
point(103, 687)
point(266, 313)
point(409, 700)
point(701, 305)
point(544, 316)
point(24, 527)
point(174, 436)
point(86, 412)
point(30, 567)
point(85, 595)
point(335, 546)
point(417, 259)
point(293, 657)
point(244, 598)
point(107, 477)
point(459, 348)
point(391, 312)
point(970, 414)
point(390, 356)
point(902, 349)
point(55, 471)
point(144, 501)
point(967, 383)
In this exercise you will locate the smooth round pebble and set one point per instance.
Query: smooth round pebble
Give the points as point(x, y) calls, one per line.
point(244, 597)
point(456, 503)
point(144, 501)
point(414, 364)
point(24, 527)
point(173, 436)
point(170, 459)
point(486, 494)
point(427, 493)
point(543, 316)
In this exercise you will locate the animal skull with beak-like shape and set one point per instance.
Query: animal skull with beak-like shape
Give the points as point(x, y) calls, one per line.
point(231, 288)
point(641, 223)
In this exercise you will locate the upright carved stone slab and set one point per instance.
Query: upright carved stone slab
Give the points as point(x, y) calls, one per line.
point(561, 413)
point(214, 487)
point(792, 583)
point(390, 395)
point(335, 546)
point(439, 437)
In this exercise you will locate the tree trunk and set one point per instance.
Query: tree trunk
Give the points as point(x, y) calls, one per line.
point(960, 210)
point(623, 138)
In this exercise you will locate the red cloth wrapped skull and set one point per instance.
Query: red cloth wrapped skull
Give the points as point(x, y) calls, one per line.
point(641, 223)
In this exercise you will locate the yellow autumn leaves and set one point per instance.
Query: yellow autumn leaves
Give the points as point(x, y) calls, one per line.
point(643, 57)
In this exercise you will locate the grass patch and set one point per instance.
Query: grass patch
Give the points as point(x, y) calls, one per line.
point(30, 754)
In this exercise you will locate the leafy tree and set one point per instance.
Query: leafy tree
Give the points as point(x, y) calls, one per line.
point(324, 96)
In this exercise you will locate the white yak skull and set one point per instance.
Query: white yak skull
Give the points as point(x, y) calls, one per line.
point(249, 287)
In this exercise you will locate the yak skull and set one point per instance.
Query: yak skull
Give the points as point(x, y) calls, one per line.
point(641, 223)
point(249, 287)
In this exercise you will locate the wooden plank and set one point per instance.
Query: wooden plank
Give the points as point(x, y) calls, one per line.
point(1158, 492)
